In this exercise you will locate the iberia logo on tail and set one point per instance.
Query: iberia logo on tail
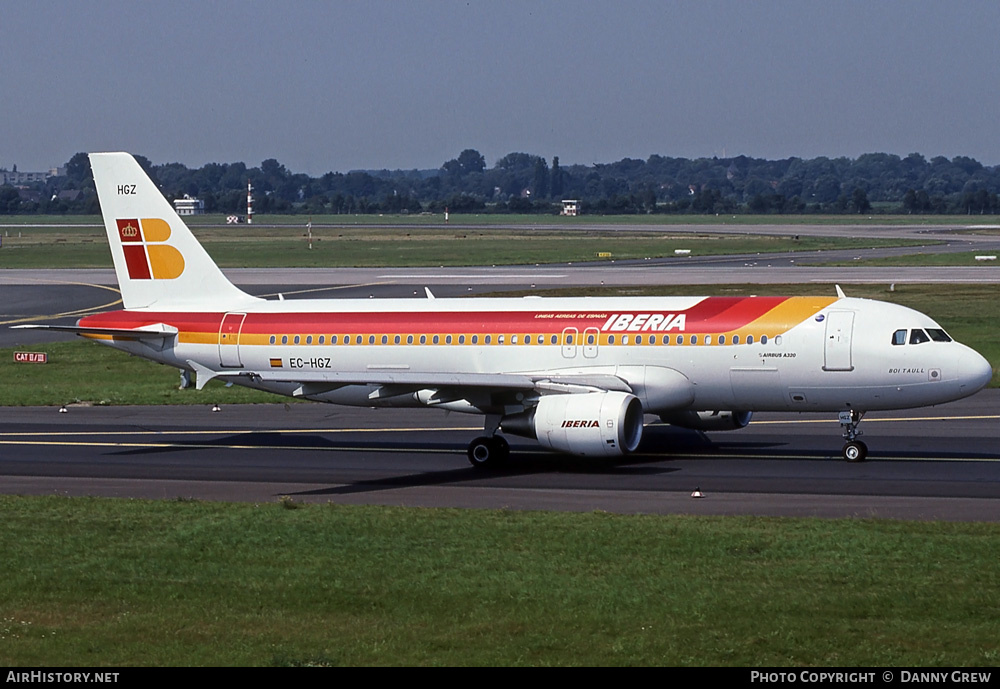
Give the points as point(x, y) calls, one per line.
point(146, 253)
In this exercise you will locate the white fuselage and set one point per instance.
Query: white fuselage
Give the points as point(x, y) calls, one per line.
point(841, 356)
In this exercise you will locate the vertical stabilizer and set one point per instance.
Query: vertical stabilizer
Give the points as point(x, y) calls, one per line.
point(158, 261)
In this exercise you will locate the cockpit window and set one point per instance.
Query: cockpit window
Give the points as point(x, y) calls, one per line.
point(938, 335)
point(899, 337)
point(918, 336)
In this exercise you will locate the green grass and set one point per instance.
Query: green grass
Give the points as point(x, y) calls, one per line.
point(261, 247)
point(86, 372)
point(11, 223)
point(99, 582)
point(80, 371)
point(963, 258)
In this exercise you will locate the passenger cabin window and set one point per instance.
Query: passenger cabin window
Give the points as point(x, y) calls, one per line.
point(918, 336)
point(899, 337)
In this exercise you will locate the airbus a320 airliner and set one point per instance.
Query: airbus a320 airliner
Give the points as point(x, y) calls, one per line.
point(576, 374)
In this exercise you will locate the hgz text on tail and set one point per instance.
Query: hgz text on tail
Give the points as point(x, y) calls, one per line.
point(159, 262)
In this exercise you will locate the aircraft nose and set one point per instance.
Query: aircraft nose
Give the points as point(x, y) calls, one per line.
point(974, 371)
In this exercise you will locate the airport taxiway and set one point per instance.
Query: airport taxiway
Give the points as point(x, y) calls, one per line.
point(936, 463)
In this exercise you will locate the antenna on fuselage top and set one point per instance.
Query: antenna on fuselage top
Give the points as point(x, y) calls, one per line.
point(840, 292)
point(430, 295)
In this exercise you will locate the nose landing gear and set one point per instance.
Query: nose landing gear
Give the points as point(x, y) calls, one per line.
point(854, 450)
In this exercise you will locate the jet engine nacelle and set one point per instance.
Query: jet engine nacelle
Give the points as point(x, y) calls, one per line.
point(602, 424)
point(708, 420)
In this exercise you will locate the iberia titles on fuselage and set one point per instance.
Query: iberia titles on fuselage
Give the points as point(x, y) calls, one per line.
point(577, 374)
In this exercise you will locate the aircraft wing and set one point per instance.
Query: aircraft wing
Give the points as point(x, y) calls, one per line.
point(399, 381)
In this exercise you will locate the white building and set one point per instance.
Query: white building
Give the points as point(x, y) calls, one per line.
point(15, 178)
point(189, 206)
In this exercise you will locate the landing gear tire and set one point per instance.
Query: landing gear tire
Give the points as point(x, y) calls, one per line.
point(488, 452)
point(855, 451)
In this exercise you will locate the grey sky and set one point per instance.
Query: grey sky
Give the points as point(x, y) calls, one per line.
point(409, 84)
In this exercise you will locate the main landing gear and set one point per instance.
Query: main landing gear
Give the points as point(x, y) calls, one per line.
point(490, 450)
point(854, 449)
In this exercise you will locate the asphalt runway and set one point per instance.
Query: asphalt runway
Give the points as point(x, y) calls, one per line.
point(939, 463)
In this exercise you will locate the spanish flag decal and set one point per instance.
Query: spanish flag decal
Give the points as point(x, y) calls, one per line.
point(146, 253)
point(275, 363)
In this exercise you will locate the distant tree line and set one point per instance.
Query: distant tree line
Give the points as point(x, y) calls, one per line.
point(526, 183)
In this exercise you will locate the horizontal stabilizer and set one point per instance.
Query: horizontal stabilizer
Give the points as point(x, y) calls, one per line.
point(146, 332)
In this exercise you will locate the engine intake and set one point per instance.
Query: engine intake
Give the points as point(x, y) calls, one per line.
point(601, 424)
